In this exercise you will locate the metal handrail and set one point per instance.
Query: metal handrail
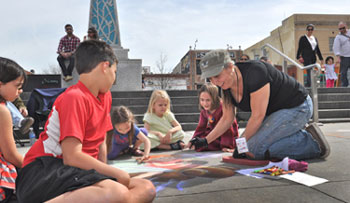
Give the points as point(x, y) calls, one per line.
point(313, 78)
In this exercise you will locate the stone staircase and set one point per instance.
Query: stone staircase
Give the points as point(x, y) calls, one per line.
point(334, 105)
point(184, 104)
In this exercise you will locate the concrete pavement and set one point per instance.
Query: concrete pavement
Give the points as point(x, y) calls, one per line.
point(203, 177)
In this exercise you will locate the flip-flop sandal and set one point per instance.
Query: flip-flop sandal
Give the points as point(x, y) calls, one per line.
point(243, 159)
point(177, 145)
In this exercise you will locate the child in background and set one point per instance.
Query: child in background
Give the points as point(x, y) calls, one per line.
point(331, 76)
point(163, 129)
point(12, 77)
point(127, 137)
point(68, 163)
point(211, 112)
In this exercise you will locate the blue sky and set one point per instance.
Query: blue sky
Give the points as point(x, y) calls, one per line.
point(31, 29)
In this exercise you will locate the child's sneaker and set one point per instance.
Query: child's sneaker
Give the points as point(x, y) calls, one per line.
point(25, 124)
point(317, 134)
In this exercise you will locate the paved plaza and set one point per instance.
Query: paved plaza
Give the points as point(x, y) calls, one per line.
point(203, 177)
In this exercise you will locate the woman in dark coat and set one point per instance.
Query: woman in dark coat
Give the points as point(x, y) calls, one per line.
point(307, 50)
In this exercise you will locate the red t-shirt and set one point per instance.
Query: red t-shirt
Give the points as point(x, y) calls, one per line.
point(75, 113)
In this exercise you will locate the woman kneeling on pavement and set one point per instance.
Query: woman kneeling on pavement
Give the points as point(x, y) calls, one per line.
point(280, 109)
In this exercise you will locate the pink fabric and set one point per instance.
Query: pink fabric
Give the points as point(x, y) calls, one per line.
point(297, 165)
point(329, 83)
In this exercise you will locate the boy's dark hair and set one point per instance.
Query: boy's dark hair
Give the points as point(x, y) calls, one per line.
point(328, 58)
point(213, 91)
point(92, 52)
point(122, 114)
point(68, 25)
point(9, 71)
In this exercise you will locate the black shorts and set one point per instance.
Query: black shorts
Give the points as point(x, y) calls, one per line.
point(47, 177)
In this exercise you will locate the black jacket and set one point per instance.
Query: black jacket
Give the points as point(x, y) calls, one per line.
point(305, 50)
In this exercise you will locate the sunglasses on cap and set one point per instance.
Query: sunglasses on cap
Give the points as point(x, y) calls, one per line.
point(310, 29)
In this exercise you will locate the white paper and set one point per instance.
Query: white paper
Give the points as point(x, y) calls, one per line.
point(241, 145)
point(250, 171)
point(304, 179)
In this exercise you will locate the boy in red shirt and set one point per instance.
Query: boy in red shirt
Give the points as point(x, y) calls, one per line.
point(68, 162)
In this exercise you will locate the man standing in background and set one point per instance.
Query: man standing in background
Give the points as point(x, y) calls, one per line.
point(341, 48)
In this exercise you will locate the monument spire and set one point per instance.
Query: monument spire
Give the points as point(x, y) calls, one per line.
point(104, 17)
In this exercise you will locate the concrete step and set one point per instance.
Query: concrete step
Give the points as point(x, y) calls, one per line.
point(334, 105)
point(171, 93)
point(333, 90)
point(185, 126)
point(334, 113)
point(180, 117)
point(243, 124)
point(179, 108)
point(334, 97)
point(144, 101)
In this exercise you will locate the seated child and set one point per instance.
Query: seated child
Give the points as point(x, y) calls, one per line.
point(211, 112)
point(127, 137)
point(12, 77)
point(163, 129)
point(68, 161)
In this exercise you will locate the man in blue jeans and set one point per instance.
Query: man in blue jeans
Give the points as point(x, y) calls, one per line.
point(66, 48)
point(341, 48)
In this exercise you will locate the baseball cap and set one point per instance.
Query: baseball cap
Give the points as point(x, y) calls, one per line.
point(213, 62)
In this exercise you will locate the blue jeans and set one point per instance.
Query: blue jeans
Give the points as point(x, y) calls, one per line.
point(344, 67)
point(15, 114)
point(282, 135)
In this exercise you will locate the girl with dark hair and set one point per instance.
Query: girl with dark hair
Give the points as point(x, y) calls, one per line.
point(127, 137)
point(331, 76)
point(12, 77)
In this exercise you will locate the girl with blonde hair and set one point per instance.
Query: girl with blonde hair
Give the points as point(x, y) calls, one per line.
point(164, 131)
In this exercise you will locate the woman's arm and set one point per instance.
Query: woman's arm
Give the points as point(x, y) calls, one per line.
point(225, 122)
point(7, 142)
point(259, 101)
point(74, 156)
point(300, 47)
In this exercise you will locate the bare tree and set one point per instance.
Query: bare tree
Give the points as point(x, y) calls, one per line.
point(163, 81)
point(53, 69)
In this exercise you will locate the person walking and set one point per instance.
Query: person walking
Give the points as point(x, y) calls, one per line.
point(307, 50)
point(341, 48)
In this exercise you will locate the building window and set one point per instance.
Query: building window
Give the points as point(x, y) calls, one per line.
point(198, 68)
point(232, 55)
point(331, 42)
